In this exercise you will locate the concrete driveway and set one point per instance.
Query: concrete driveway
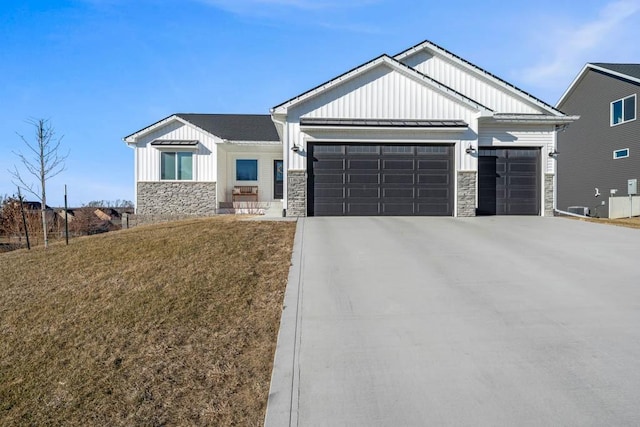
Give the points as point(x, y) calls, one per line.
point(453, 322)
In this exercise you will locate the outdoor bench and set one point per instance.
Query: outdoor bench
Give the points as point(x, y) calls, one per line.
point(245, 191)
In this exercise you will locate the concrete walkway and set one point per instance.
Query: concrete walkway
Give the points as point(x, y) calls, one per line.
point(495, 321)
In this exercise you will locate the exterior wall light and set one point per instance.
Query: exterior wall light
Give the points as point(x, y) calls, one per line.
point(470, 149)
point(553, 153)
point(295, 148)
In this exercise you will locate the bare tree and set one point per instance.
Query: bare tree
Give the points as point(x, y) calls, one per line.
point(42, 162)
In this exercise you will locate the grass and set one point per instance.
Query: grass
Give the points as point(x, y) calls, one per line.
point(633, 222)
point(172, 324)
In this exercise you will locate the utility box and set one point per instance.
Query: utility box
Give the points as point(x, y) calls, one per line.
point(632, 187)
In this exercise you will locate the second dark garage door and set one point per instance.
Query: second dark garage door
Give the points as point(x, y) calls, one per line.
point(509, 181)
point(374, 179)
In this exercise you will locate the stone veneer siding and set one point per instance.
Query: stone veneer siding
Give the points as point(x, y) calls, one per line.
point(296, 193)
point(176, 198)
point(467, 193)
point(548, 194)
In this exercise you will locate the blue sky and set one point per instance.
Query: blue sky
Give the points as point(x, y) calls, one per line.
point(102, 69)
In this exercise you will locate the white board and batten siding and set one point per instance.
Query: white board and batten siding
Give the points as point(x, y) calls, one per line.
point(474, 85)
point(380, 93)
point(148, 156)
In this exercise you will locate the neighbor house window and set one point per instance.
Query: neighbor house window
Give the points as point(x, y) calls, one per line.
point(176, 165)
point(623, 110)
point(246, 170)
point(621, 154)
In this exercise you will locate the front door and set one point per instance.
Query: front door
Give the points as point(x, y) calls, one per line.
point(278, 179)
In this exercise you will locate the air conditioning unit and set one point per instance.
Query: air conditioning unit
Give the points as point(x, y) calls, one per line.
point(580, 210)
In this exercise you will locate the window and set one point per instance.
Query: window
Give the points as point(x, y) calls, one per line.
point(623, 110)
point(337, 149)
point(176, 165)
point(621, 154)
point(397, 149)
point(246, 170)
point(362, 149)
point(433, 149)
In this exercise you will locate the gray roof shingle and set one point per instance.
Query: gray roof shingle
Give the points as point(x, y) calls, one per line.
point(235, 127)
point(631, 70)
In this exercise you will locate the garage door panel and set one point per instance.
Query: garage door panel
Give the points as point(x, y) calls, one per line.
point(433, 165)
point(363, 208)
point(433, 179)
point(438, 193)
point(363, 192)
point(330, 192)
point(329, 209)
point(523, 167)
point(433, 208)
point(521, 180)
point(398, 208)
point(397, 165)
point(397, 192)
point(398, 179)
point(363, 164)
point(363, 178)
point(327, 178)
point(330, 164)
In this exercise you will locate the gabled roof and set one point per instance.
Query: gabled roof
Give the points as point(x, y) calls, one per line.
point(394, 64)
point(630, 72)
point(235, 127)
point(434, 48)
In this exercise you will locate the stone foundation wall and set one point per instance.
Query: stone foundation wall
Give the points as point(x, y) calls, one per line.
point(176, 198)
point(548, 194)
point(467, 193)
point(296, 193)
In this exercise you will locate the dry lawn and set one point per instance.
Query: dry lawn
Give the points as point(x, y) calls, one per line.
point(622, 222)
point(172, 324)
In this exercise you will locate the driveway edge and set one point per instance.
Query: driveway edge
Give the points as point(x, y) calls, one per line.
point(282, 406)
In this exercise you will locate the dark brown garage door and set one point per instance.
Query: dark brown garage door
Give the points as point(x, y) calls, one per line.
point(372, 179)
point(509, 181)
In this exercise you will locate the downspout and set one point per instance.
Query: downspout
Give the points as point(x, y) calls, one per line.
point(569, 213)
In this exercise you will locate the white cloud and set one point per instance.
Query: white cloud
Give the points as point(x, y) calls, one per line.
point(608, 38)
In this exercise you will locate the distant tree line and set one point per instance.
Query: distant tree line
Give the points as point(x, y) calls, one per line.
point(110, 204)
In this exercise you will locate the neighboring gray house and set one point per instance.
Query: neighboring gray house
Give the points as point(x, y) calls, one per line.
point(602, 149)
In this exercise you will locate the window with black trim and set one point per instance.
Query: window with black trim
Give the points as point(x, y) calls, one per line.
point(246, 170)
point(623, 110)
point(621, 154)
point(176, 165)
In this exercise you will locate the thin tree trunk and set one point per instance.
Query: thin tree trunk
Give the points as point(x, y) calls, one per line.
point(43, 179)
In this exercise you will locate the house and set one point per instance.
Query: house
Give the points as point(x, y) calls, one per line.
point(602, 150)
point(190, 163)
point(423, 132)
